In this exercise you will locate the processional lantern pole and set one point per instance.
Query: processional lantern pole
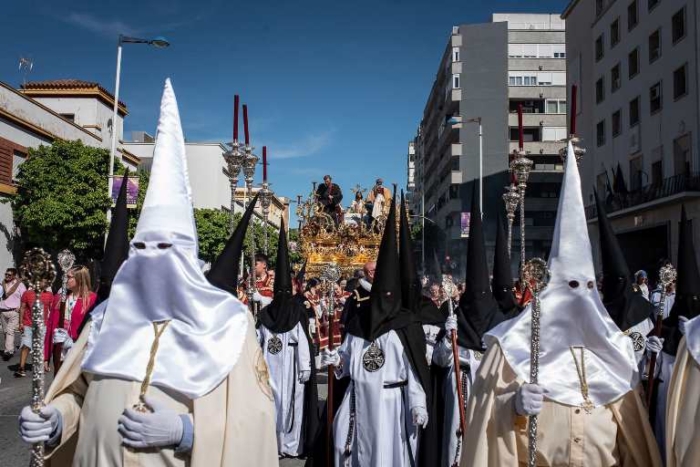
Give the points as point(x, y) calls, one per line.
point(65, 261)
point(37, 266)
point(536, 276)
point(667, 275)
point(234, 162)
point(265, 200)
point(250, 161)
point(511, 198)
point(330, 276)
point(520, 167)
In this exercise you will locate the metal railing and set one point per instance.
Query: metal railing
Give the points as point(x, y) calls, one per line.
point(668, 187)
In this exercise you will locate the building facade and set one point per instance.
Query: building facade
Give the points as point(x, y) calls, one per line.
point(487, 71)
point(208, 175)
point(636, 66)
point(39, 113)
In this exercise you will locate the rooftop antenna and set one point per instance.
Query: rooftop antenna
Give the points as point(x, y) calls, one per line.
point(26, 65)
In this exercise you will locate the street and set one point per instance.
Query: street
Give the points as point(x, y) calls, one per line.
point(15, 393)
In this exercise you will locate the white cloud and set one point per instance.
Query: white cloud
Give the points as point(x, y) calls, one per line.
point(110, 28)
point(307, 146)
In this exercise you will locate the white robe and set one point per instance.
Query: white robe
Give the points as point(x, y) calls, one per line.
point(638, 334)
point(444, 357)
point(383, 433)
point(285, 367)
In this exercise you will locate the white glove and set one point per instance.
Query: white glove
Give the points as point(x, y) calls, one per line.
point(330, 357)
point(304, 376)
point(67, 344)
point(529, 399)
point(451, 324)
point(654, 345)
point(681, 324)
point(312, 326)
point(420, 416)
point(37, 428)
point(60, 335)
point(163, 427)
point(264, 301)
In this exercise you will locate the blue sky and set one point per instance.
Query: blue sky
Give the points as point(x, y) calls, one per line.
point(332, 87)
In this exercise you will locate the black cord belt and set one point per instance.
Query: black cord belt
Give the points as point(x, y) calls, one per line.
point(293, 344)
point(400, 384)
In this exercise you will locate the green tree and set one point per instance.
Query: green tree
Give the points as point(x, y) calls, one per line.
point(213, 233)
point(62, 199)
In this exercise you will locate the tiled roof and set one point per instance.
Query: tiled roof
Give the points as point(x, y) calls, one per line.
point(66, 85)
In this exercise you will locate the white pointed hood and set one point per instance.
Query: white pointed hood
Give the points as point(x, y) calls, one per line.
point(162, 281)
point(572, 316)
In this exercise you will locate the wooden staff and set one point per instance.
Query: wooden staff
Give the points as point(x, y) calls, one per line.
point(667, 275)
point(448, 287)
point(65, 261)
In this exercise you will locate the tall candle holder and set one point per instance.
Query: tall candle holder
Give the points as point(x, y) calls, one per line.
point(265, 201)
point(250, 160)
point(511, 198)
point(37, 267)
point(579, 151)
point(234, 161)
point(521, 167)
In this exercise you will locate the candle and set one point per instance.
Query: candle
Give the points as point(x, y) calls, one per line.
point(521, 137)
point(245, 125)
point(264, 163)
point(572, 127)
point(235, 117)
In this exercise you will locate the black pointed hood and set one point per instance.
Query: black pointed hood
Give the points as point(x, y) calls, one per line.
point(284, 312)
point(411, 297)
point(478, 311)
point(687, 300)
point(502, 283)
point(624, 303)
point(384, 311)
point(117, 245)
point(224, 271)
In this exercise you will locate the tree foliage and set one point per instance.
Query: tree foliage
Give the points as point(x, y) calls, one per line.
point(62, 199)
point(213, 232)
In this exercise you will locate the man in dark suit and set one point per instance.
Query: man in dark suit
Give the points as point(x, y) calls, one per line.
point(329, 197)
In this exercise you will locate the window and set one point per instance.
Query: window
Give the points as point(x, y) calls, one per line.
point(599, 48)
point(616, 123)
point(18, 157)
point(454, 164)
point(657, 173)
point(70, 117)
point(529, 134)
point(681, 155)
point(599, 5)
point(455, 54)
point(600, 133)
point(655, 98)
point(634, 111)
point(636, 173)
point(680, 82)
point(632, 15)
point(599, 91)
point(530, 81)
point(556, 106)
point(455, 81)
point(633, 63)
point(678, 25)
point(651, 4)
point(559, 54)
point(654, 45)
point(615, 33)
point(554, 133)
point(615, 78)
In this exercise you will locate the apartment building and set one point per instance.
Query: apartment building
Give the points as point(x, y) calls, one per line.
point(486, 71)
point(636, 66)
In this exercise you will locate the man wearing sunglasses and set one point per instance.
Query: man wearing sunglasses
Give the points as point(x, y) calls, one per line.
point(12, 290)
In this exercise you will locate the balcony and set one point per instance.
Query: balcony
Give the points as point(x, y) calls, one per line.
point(539, 147)
point(537, 92)
point(539, 64)
point(538, 119)
point(676, 186)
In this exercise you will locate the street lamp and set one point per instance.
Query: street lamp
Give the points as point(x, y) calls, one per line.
point(481, 163)
point(158, 42)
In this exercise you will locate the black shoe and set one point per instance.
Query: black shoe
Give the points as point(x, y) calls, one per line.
point(6, 356)
point(20, 373)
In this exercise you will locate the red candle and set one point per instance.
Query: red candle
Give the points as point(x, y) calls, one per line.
point(264, 163)
point(235, 117)
point(521, 137)
point(572, 125)
point(245, 125)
